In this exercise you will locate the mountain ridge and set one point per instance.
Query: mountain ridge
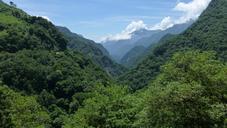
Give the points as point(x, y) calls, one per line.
point(93, 50)
point(143, 37)
point(207, 33)
point(35, 62)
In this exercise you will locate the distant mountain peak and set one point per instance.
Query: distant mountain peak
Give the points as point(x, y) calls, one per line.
point(141, 37)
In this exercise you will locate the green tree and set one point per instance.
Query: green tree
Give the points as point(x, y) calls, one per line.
point(21, 111)
point(108, 107)
point(190, 92)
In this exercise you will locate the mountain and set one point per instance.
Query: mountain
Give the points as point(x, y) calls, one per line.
point(118, 49)
point(45, 84)
point(207, 33)
point(49, 79)
point(154, 38)
point(76, 41)
point(132, 56)
point(138, 53)
point(20, 31)
point(131, 60)
point(93, 50)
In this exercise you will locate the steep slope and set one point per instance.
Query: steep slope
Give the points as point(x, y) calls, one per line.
point(35, 61)
point(176, 29)
point(132, 56)
point(138, 53)
point(82, 44)
point(131, 60)
point(208, 33)
point(118, 49)
point(20, 31)
point(93, 50)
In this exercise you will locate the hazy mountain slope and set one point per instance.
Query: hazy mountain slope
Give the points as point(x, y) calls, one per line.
point(132, 56)
point(93, 50)
point(208, 33)
point(132, 60)
point(118, 49)
point(139, 53)
point(176, 29)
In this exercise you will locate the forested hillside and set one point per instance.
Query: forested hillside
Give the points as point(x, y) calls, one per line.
point(120, 49)
point(133, 56)
point(35, 62)
point(45, 84)
point(20, 31)
point(189, 92)
point(93, 50)
point(131, 60)
point(208, 33)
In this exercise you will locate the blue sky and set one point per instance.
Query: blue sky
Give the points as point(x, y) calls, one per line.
point(98, 18)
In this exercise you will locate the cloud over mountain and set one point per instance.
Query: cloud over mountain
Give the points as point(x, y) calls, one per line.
point(190, 11)
point(127, 33)
point(167, 22)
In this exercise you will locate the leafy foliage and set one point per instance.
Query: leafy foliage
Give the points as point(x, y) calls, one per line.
point(208, 33)
point(109, 107)
point(185, 94)
point(34, 60)
point(95, 51)
point(20, 31)
point(62, 73)
point(190, 92)
point(20, 111)
point(46, 85)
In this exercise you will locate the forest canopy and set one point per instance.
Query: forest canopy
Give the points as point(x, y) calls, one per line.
point(44, 83)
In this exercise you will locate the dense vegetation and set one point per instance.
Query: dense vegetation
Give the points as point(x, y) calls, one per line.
point(19, 31)
point(45, 85)
point(34, 60)
point(137, 54)
point(208, 33)
point(20, 111)
point(61, 79)
point(190, 91)
point(132, 57)
point(93, 50)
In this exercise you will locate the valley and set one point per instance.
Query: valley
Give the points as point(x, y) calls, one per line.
point(52, 77)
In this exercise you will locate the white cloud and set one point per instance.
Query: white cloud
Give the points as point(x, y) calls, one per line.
point(127, 33)
point(167, 22)
point(191, 10)
point(134, 26)
point(46, 17)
